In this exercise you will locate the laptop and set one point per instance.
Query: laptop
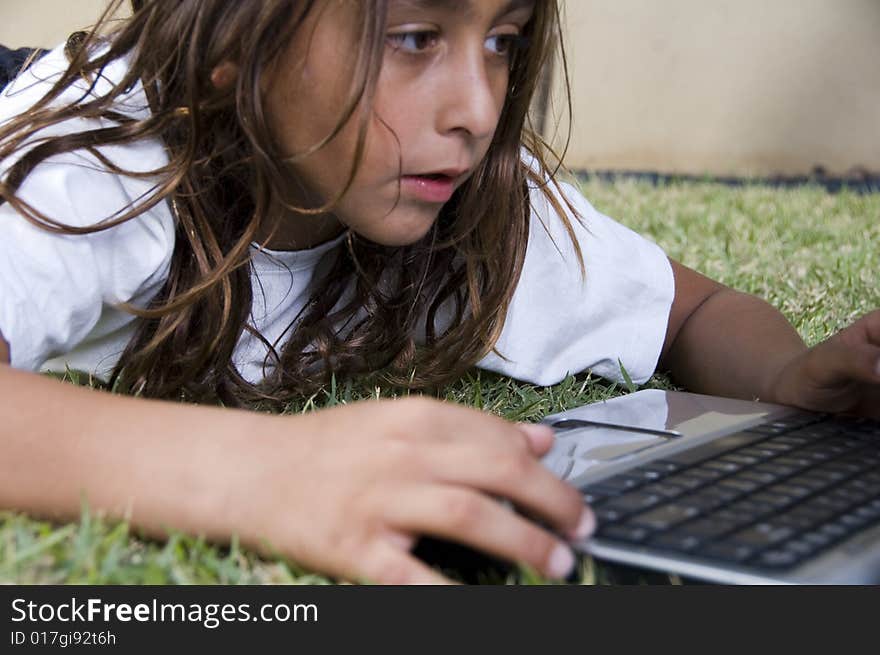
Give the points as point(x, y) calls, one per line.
point(723, 490)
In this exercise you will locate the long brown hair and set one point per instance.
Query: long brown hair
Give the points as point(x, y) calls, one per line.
point(224, 169)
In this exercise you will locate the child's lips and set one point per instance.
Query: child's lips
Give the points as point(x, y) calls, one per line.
point(429, 187)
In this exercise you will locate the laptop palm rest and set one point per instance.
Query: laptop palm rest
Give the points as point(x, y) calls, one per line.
point(592, 437)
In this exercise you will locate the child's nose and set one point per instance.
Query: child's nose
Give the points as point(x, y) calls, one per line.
point(467, 101)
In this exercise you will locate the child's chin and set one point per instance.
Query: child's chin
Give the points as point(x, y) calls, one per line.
point(399, 235)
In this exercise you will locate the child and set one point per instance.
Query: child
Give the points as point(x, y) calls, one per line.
point(228, 202)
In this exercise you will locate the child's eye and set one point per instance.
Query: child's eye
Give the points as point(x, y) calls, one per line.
point(413, 42)
point(506, 45)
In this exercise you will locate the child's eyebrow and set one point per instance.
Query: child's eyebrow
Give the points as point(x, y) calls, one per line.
point(464, 7)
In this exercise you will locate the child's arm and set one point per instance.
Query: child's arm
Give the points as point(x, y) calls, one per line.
point(343, 491)
point(724, 342)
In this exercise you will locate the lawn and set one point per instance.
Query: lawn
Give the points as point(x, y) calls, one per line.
point(811, 253)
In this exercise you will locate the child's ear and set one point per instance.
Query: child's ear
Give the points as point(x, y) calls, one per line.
point(224, 75)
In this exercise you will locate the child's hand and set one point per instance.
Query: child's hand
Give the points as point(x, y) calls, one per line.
point(841, 374)
point(348, 490)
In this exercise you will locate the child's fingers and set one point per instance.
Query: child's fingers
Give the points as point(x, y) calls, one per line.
point(473, 519)
point(869, 326)
point(517, 476)
point(384, 563)
point(840, 361)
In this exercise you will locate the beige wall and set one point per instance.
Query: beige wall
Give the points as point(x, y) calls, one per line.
point(45, 23)
point(687, 86)
point(725, 86)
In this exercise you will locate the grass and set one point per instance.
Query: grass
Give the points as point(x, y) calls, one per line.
point(812, 254)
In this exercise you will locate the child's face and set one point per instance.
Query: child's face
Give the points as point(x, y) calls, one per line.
point(440, 94)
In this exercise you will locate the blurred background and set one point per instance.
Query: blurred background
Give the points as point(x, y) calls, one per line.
point(744, 88)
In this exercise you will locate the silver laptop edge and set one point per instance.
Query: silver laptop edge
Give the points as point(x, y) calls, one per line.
point(699, 419)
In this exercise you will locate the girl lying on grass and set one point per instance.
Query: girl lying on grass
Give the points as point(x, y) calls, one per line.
point(229, 202)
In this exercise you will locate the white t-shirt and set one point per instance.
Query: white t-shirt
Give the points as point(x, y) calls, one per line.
point(58, 292)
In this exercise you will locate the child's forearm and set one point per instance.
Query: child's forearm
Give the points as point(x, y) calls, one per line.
point(157, 463)
point(344, 491)
point(733, 345)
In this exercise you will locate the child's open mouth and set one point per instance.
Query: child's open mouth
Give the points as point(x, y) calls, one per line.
point(430, 187)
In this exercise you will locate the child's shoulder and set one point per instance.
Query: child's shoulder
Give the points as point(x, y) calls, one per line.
point(76, 187)
point(561, 214)
point(34, 82)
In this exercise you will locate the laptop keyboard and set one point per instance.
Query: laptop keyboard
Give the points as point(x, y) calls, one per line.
point(766, 498)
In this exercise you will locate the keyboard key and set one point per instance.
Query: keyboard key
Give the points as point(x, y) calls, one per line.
point(622, 532)
point(781, 445)
point(760, 454)
point(609, 515)
point(741, 459)
point(741, 485)
point(713, 448)
point(801, 547)
point(834, 530)
point(663, 466)
point(676, 542)
point(707, 528)
point(845, 444)
point(606, 488)
point(761, 535)
point(777, 501)
point(834, 504)
point(793, 491)
point(702, 502)
point(756, 476)
point(811, 482)
point(665, 517)
point(799, 419)
point(767, 428)
point(814, 512)
point(816, 539)
point(792, 461)
point(592, 496)
point(816, 453)
point(755, 509)
point(727, 494)
point(772, 468)
point(737, 518)
point(630, 503)
point(778, 559)
point(648, 474)
point(795, 521)
point(815, 432)
point(727, 552)
point(706, 473)
point(785, 443)
point(722, 466)
point(846, 469)
point(826, 475)
point(663, 489)
point(620, 483)
point(850, 494)
point(869, 512)
point(685, 481)
point(853, 521)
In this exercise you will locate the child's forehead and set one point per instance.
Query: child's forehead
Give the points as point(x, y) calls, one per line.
point(463, 7)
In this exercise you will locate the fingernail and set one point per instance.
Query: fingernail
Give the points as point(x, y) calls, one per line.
point(586, 525)
point(561, 562)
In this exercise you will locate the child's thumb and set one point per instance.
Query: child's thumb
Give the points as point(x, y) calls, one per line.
point(540, 437)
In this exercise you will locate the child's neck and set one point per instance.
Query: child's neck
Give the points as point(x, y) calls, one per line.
point(288, 230)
